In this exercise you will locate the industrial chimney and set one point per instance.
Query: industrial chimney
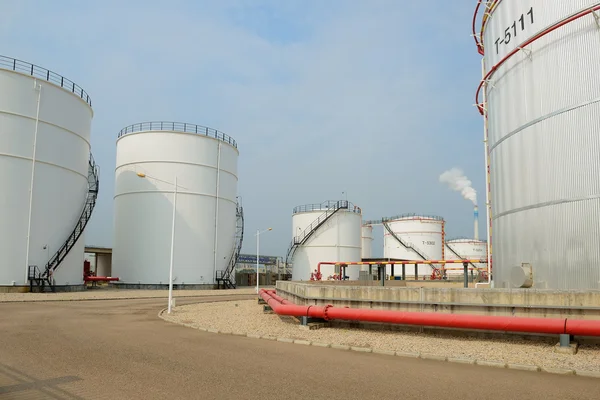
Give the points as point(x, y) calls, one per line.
point(476, 223)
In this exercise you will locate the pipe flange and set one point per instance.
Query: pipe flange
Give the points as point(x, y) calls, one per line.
point(325, 315)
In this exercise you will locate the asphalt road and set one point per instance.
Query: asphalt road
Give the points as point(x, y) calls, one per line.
point(120, 349)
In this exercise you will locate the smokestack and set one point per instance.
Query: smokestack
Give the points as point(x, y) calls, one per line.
point(476, 224)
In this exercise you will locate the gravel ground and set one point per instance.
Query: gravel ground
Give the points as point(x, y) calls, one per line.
point(109, 294)
point(246, 316)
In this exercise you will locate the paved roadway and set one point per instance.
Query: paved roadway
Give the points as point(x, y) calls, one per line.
point(120, 349)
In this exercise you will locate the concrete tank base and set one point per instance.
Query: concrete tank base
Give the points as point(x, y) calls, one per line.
point(163, 286)
point(57, 288)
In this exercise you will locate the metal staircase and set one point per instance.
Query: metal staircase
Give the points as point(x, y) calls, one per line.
point(457, 255)
point(227, 277)
point(402, 242)
point(39, 278)
point(332, 208)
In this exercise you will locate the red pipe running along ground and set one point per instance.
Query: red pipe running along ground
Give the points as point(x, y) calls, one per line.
point(480, 106)
point(100, 279)
point(493, 323)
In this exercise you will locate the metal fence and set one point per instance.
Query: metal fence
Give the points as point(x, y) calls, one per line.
point(23, 67)
point(183, 127)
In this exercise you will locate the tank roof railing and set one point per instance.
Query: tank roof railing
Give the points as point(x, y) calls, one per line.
point(183, 127)
point(464, 238)
point(23, 67)
point(325, 206)
point(401, 216)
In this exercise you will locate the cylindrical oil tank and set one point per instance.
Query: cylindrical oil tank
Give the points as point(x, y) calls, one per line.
point(151, 158)
point(543, 106)
point(416, 237)
point(336, 237)
point(45, 125)
point(367, 241)
point(470, 249)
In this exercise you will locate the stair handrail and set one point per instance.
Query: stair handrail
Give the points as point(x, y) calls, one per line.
point(386, 225)
point(226, 275)
point(85, 216)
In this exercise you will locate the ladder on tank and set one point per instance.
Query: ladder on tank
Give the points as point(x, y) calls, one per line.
point(39, 278)
point(227, 276)
point(402, 242)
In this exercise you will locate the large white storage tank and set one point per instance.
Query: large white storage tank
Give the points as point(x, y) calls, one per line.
point(463, 248)
point(45, 125)
point(543, 108)
point(367, 241)
point(204, 163)
point(415, 237)
point(336, 237)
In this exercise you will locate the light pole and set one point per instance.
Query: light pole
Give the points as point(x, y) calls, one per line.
point(258, 233)
point(143, 175)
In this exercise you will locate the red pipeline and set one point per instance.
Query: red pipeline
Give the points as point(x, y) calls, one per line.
point(462, 321)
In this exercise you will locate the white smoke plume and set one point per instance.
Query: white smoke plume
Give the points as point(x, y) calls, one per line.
point(457, 181)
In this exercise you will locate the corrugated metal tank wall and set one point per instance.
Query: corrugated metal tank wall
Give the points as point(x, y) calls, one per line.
point(544, 122)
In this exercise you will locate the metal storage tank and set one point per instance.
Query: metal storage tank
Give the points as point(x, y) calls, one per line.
point(542, 105)
point(45, 165)
point(463, 248)
point(413, 237)
point(203, 164)
point(367, 241)
point(330, 231)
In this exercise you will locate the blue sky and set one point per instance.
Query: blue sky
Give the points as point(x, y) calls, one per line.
point(373, 98)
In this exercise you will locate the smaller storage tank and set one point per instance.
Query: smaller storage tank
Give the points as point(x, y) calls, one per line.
point(330, 231)
point(367, 241)
point(463, 248)
point(413, 237)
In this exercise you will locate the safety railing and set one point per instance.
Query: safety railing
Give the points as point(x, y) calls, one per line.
point(402, 216)
point(183, 127)
point(23, 67)
point(327, 205)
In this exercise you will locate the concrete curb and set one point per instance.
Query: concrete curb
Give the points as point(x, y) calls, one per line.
point(425, 356)
point(524, 367)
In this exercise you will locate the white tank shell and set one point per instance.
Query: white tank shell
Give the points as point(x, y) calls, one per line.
point(338, 239)
point(205, 163)
point(470, 249)
point(543, 123)
point(367, 241)
point(61, 170)
point(421, 232)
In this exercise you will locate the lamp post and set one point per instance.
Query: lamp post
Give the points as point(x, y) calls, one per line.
point(143, 175)
point(258, 233)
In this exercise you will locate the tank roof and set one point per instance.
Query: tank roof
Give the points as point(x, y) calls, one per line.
point(23, 67)
point(183, 127)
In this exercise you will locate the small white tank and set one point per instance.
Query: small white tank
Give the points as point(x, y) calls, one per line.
point(417, 237)
point(463, 248)
point(335, 238)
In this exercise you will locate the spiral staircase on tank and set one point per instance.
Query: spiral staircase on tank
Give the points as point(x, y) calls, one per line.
point(40, 279)
point(226, 278)
point(301, 239)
